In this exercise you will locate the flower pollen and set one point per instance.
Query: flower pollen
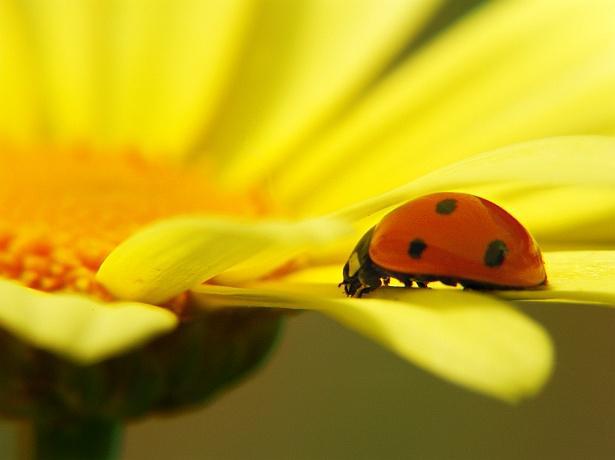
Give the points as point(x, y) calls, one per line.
point(63, 212)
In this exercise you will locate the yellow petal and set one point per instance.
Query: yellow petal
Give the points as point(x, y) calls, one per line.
point(563, 161)
point(580, 276)
point(561, 189)
point(509, 72)
point(304, 60)
point(467, 338)
point(64, 38)
point(564, 217)
point(167, 258)
point(76, 327)
point(262, 264)
point(19, 110)
point(169, 61)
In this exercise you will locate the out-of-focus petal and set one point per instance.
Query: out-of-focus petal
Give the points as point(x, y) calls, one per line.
point(564, 217)
point(580, 276)
point(169, 257)
point(509, 72)
point(63, 49)
point(19, 110)
point(168, 64)
point(302, 62)
point(563, 161)
point(470, 339)
point(76, 327)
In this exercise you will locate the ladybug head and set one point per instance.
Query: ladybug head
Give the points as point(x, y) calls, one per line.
point(357, 269)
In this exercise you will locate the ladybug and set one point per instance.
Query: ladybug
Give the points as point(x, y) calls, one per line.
point(454, 238)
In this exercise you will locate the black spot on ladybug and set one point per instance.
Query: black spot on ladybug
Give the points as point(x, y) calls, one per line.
point(416, 248)
point(495, 253)
point(446, 206)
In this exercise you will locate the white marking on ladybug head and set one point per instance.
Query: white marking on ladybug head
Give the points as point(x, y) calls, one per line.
point(353, 264)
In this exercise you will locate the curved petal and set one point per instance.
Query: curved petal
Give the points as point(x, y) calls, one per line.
point(169, 257)
point(512, 71)
point(579, 276)
point(579, 217)
point(563, 161)
point(302, 61)
point(470, 339)
point(79, 328)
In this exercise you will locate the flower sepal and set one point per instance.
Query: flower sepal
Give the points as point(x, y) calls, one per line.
point(186, 367)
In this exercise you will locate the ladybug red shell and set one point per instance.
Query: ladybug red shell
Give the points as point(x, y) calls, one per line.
point(455, 238)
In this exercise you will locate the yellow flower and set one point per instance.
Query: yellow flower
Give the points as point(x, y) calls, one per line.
point(165, 156)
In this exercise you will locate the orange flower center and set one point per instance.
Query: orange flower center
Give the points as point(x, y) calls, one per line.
point(62, 213)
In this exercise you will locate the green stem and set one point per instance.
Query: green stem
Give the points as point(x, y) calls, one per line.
point(89, 439)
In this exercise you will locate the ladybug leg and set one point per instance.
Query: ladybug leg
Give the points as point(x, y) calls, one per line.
point(370, 279)
point(404, 279)
point(351, 286)
point(422, 284)
point(366, 278)
point(365, 290)
point(448, 281)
